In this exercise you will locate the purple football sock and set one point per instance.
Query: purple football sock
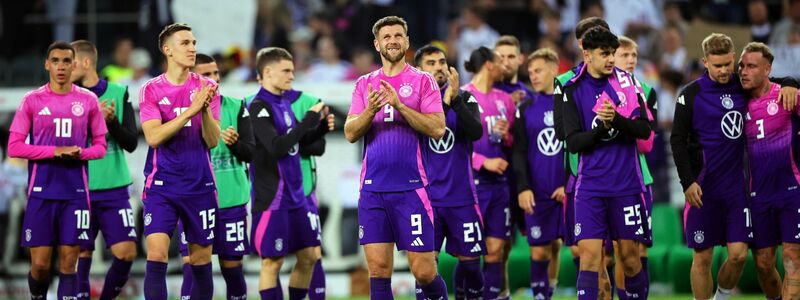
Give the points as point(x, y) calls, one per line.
point(587, 285)
point(155, 281)
point(38, 288)
point(492, 280)
point(436, 290)
point(188, 281)
point(473, 279)
point(540, 282)
point(380, 289)
point(316, 290)
point(84, 264)
point(116, 278)
point(234, 280)
point(297, 293)
point(67, 286)
point(635, 287)
point(203, 286)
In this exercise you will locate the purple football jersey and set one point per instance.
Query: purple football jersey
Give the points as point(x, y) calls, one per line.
point(612, 168)
point(448, 164)
point(772, 147)
point(182, 164)
point(718, 120)
point(59, 120)
point(545, 152)
point(392, 155)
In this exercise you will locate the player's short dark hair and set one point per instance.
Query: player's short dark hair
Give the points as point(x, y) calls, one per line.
point(586, 24)
point(717, 44)
point(169, 30)
point(86, 48)
point(426, 50)
point(507, 40)
point(59, 45)
point(478, 58)
point(599, 38)
point(203, 59)
point(546, 54)
point(762, 48)
point(389, 21)
point(270, 55)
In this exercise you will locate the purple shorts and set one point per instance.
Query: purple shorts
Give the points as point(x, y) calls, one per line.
point(617, 218)
point(197, 213)
point(569, 220)
point(462, 227)
point(647, 209)
point(114, 218)
point(545, 224)
point(404, 218)
point(717, 222)
point(776, 222)
point(493, 200)
point(49, 222)
point(230, 234)
point(276, 233)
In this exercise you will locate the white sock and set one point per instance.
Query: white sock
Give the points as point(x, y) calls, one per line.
point(722, 294)
point(553, 283)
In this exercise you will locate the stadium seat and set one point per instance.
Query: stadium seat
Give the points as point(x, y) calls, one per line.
point(667, 228)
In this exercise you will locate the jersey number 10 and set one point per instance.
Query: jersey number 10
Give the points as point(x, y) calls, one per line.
point(63, 127)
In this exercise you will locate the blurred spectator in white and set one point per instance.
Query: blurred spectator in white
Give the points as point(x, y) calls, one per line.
point(62, 13)
point(568, 9)
point(469, 33)
point(674, 17)
point(140, 63)
point(631, 17)
point(363, 62)
point(671, 81)
point(780, 34)
point(328, 67)
point(759, 20)
point(300, 41)
point(119, 70)
point(674, 56)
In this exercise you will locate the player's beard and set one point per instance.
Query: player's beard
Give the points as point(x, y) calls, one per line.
point(385, 54)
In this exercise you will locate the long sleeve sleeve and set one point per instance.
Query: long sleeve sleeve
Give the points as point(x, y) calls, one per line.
point(244, 147)
point(97, 150)
point(520, 153)
point(125, 133)
point(19, 149)
point(469, 116)
point(267, 136)
point(679, 141)
point(577, 139)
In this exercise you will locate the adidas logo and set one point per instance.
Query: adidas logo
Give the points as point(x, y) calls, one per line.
point(132, 233)
point(417, 242)
point(681, 101)
point(476, 249)
point(539, 296)
point(83, 236)
point(263, 113)
point(239, 248)
point(164, 101)
point(245, 114)
point(472, 99)
point(319, 290)
point(210, 236)
point(45, 111)
point(640, 231)
point(558, 90)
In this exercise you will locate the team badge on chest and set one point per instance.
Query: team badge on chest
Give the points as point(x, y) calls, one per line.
point(405, 90)
point(727, 102)
point(77, 109)
point(772, 107)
